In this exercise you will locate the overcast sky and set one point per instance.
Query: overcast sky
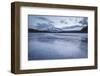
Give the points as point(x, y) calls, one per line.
point(57, 21)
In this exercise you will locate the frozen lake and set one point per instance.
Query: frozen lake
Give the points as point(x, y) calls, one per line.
point(45, 46)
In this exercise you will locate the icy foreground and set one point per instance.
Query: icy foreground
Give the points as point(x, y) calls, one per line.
point(44, 46)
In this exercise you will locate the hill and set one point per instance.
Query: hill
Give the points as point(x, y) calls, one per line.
point(84, 29)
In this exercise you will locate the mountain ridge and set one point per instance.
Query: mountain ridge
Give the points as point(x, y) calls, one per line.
point(83, 30)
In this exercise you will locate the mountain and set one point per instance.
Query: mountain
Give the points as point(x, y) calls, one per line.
point(84, 29)
point(53, 31)
point(47, 27)
point(35, 30)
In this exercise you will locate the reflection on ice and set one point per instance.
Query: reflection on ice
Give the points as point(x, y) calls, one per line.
point(57, 46)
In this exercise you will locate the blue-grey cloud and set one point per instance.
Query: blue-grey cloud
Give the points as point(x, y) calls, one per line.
point(46, 19)
point(84, 21)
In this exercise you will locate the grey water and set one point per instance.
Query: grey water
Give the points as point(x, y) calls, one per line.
point(46, 46)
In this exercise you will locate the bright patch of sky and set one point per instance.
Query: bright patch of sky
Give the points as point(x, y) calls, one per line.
point(57, 21)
